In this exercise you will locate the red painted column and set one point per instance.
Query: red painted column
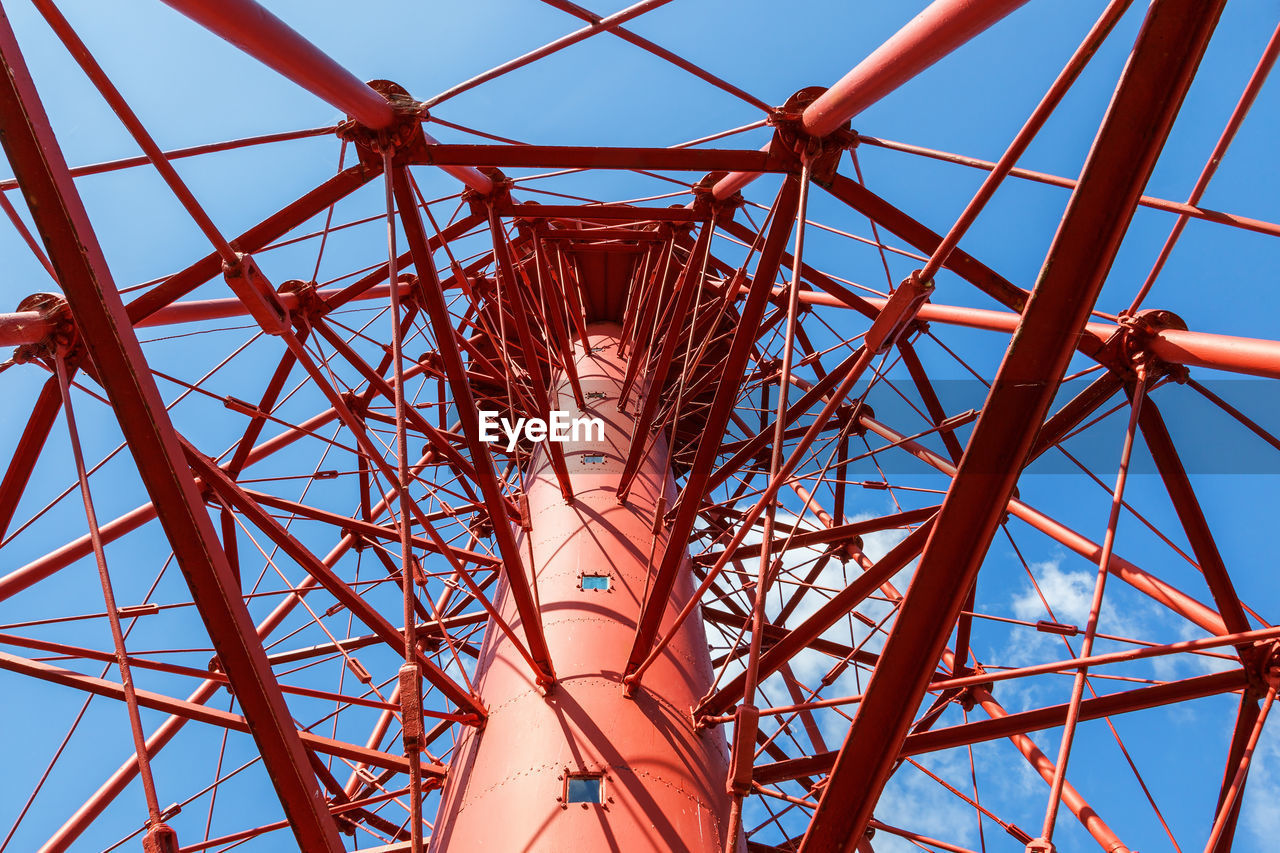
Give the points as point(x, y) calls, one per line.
point(663, 783)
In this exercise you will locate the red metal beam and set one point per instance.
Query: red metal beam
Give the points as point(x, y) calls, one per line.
point(235, 497)
point(437, 309)
point(598, 212)
point(1246, 719)
point(1187, 506)
point(916, 234)
point(1165, 594)
point(39, 569)
point(687, 285)
point(937, 31)
point(1150, 92)
point(722, 407)
point(193, 711)
point(108, 337)
point(257, 32)
point(1253, 356)
point(25, 455)
point(255, 239)
point(1038, 719)
point(583, 157)
point(832, 611)
point(166, 731)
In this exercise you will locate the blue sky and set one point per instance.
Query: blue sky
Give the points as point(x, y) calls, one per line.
point(189, 88)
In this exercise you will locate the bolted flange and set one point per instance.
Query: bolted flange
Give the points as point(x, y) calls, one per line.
point(1128, 350)
point(404, 136)
point(60, 336)
point(823, 153)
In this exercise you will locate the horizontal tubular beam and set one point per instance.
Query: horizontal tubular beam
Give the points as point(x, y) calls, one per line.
point(30, 327)
point(1023, 722)
point(257, 32)
point(583, 157)
point(593, 212)
point(937, 31)
point(201, 713)
point(1252, 356)
point(1090, 709)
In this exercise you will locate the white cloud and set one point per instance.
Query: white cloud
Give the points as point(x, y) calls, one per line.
point(1260, 812)
point(1067, 592)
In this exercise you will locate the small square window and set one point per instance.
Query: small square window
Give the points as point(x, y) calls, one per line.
point(585, 788)
point(593, 458)
point(594, 583)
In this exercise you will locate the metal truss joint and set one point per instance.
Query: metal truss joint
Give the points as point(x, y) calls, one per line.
point(252, 288)
point(305, 299)
point(821, 153)
point(403, 138)
point(499, 196)
point(160, 839)
point(1264, 673)
point(706, 205)
point(1129, 350)
point(59, 337)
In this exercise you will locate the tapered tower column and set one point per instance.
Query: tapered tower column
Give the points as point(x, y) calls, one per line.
point(661, 784)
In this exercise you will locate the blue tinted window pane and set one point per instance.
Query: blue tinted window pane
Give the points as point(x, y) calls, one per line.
point(590, 582)
point(585, 789)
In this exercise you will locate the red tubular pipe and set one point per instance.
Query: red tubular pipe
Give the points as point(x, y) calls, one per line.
point(1253, 356)
point(469, 175)
point(271, 41)
point(937, 31)
point(274, 43)
point(1222, 352)
point(941, 28)
point(23, 327)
